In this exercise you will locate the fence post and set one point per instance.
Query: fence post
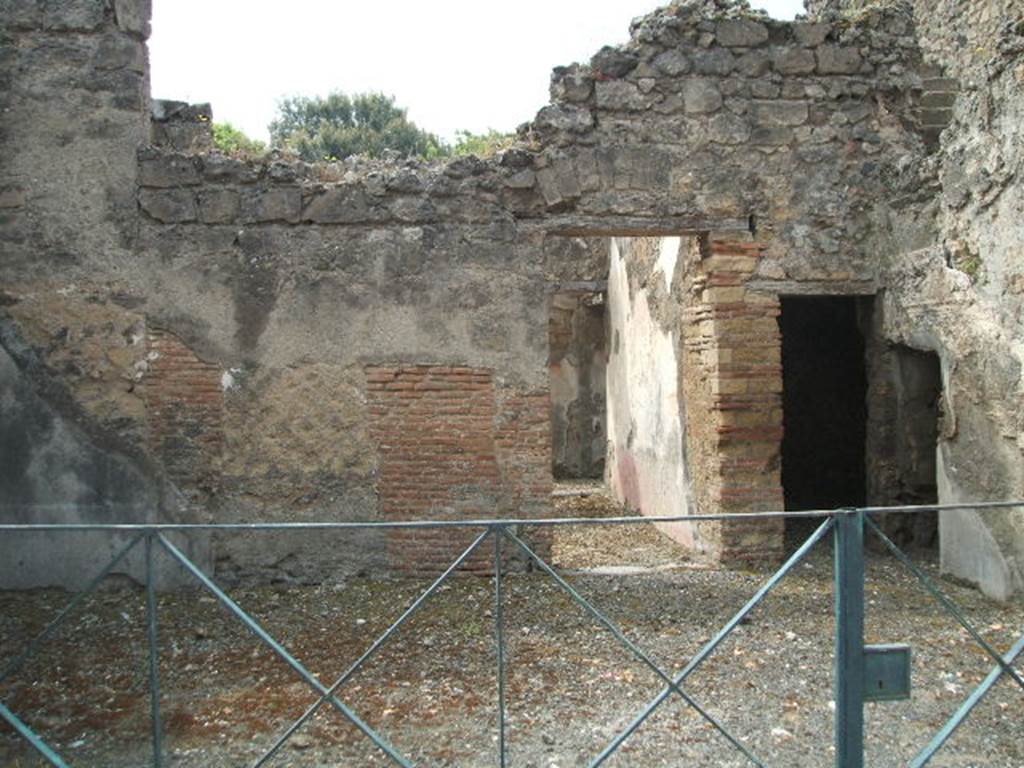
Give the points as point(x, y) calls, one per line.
point(849, 648)
point(154, 655)
point(499, 641)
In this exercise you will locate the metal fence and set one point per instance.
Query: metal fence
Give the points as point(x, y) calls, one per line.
point(861, 672)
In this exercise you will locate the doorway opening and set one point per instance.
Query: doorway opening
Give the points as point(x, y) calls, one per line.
point(577, 362)
point(824, 404)
point(917, 386)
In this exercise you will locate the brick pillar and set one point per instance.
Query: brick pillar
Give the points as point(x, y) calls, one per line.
point(733, 389)
point(453, 445)
point(185, 414)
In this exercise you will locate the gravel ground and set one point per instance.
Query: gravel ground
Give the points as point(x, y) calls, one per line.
point(571, 687)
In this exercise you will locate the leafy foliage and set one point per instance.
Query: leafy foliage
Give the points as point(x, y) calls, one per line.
point(340, 125)
point(232, 140)
point(481, 144)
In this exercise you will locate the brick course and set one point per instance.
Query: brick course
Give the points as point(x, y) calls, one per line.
point(453, 445)
point(733, 389)
point(185, 414)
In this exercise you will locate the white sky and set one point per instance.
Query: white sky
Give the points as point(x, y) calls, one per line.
point(452, 63)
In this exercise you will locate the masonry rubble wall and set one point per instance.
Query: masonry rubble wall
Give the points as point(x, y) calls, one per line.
point(790, 146)
point(955, 286)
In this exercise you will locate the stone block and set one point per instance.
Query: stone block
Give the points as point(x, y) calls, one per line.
point(810, 34)
point(720, 263)
point(171, 206)
point(941, 84)
point(168, 171)
point(120, 52)
point(587, 173)
point(792, 89)
point(73, 15)
point(275, 204)
point(936, 118)
point(218, 206)
point(727, 128)
point(558, 184)
point(773, 114)
point(22, 13)
point(344, 204)
point(794, 61)
point(524, 179)
point(571, 84)
point(941, 100)
point(838, 60)
point(620, 95)
point(182, 137)
point(559, 117)
point(218, 167)
point(724, 294)
point(754, 64)
point(614, 62)
point(771, 136)
point(728, 386)
point(133, 16)
point(701, 97)
point(717, 61)
point(672, 63)
point(764, 89)
point(745, 33)
point(126, 87)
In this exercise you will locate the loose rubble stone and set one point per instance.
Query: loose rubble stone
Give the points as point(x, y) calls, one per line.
point(837, 60)
point(701, 96)
point(218, 206)
point(171, 206)
point(794, 62)
point(741, 33)
point(672, 62)
point(614, 62)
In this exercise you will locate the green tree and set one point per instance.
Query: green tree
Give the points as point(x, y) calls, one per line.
point(481, 144)
point(229, 139)
point(340, 125)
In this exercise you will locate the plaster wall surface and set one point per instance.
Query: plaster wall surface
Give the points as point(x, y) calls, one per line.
point(57, 474)
point(647, 468)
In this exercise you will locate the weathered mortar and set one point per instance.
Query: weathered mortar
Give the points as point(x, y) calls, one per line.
point(292, 280)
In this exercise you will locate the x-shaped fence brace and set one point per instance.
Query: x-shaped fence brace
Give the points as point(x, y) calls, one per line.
point(1003, 663)
point(501, 531)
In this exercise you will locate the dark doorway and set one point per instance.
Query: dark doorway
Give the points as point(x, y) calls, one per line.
point(824, 401)
point(917, 393)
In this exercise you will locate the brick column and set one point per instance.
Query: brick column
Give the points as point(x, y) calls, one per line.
point(185, 414)
point(453, 445)
point(733, 389)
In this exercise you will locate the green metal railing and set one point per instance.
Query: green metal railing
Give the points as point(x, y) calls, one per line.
point(847, 527)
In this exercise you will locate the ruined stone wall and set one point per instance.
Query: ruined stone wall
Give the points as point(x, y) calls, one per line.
point(798, 146)
point(953, 276)
point(981, 172)
point(74, 97)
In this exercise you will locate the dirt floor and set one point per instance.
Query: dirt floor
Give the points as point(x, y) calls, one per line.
point(571, 686)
